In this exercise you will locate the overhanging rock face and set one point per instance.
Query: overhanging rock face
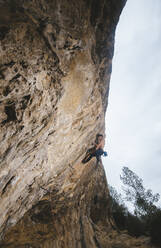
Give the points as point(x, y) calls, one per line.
point(55, 67)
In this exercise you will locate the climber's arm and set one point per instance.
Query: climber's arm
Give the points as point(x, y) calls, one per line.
point(98, 146)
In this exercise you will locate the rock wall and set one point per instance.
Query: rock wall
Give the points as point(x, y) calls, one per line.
point(55, 67)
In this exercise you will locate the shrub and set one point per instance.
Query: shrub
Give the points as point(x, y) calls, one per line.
point(155, 228)
point(134, 225)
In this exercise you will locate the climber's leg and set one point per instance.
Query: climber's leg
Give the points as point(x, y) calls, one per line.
point(89, 155)
point(87, 158)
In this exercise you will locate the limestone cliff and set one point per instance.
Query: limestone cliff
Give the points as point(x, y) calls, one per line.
point(55, 67)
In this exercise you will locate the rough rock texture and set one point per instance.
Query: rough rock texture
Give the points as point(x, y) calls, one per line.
point(55, 67)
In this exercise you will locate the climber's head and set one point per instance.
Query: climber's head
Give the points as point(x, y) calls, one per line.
point(99, 138)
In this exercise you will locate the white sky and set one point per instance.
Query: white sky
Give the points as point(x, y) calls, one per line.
point(133, 117)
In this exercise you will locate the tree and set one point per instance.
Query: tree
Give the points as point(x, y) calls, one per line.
point(155, 230)
point(116, 197)
point(122, 217)
point(119, 210)
point(135, 192)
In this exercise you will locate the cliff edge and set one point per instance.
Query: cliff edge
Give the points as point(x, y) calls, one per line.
point(55, 68)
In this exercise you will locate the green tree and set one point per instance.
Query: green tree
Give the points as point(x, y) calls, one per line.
point(122, 217)
point(142, 199)
point(154, 228)
point(116, 197)
point(119, 210)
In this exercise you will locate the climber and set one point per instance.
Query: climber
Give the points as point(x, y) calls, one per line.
point(97, 150)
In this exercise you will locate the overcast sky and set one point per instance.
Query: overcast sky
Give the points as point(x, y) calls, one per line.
point(133, 117)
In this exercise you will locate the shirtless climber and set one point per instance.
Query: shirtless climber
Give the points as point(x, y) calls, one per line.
point(97, 150)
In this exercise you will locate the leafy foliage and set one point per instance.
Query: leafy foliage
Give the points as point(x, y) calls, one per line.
point(135, 192)
point(122, 217)
point(146, 219)
point(119, 210)
point(155, 228)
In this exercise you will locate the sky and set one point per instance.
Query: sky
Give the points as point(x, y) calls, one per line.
point(133, 117)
